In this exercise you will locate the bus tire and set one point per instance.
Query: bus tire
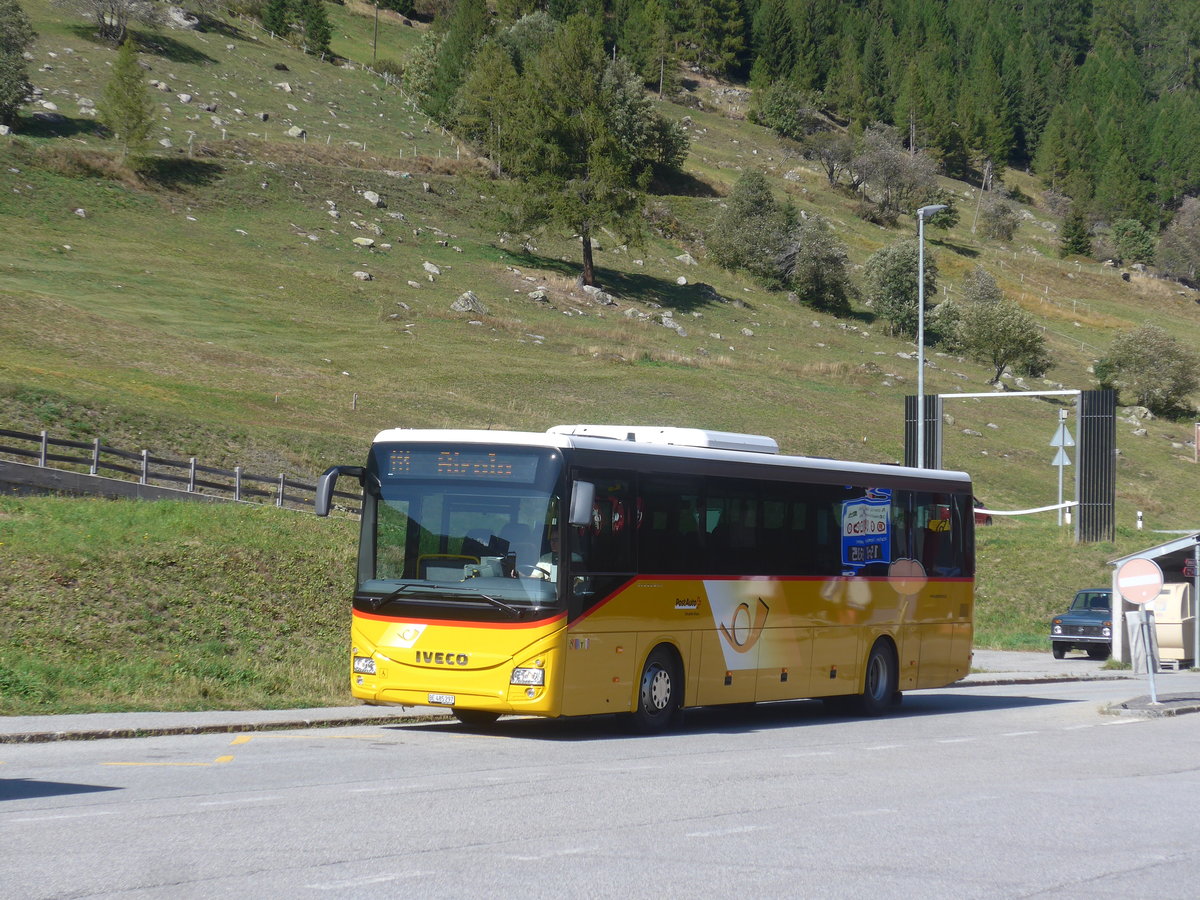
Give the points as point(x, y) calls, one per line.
point(660, 692)
point(879, 681)
point(476, 718)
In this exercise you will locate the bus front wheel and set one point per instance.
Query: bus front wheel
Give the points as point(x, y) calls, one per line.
point(879, 685)
point(660, 692)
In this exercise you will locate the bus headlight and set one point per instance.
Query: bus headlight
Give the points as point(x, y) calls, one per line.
point(528, 676)
point(364, 665)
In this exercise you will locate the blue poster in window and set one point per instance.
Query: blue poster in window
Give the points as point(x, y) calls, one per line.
point(867, 529)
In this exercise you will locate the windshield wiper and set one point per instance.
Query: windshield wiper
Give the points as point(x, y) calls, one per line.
point(377, 602)
point(499, 604)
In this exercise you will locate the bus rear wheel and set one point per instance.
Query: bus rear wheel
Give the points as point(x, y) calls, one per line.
point(879, 685)
point(476, 718)
point(660, 693)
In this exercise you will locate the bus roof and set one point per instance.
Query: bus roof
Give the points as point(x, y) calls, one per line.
point(655, 441)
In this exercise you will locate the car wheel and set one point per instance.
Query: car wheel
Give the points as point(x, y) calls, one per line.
point(476, 718)
point(1101, 652)
point(879, 684)
point(660, 692)
point(1059, 649)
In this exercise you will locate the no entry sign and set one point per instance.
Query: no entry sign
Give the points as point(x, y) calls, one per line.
point(1139, 580)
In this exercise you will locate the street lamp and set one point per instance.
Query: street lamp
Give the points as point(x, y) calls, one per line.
point(922, 214)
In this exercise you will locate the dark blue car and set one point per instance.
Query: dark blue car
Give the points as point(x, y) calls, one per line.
point(1087, 625)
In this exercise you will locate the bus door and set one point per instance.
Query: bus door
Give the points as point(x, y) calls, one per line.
point(604, 611)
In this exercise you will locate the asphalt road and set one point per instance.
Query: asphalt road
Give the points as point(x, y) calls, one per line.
point(987, 790)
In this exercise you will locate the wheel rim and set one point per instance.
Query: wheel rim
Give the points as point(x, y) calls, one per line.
point(876, 677)
point(656, 689)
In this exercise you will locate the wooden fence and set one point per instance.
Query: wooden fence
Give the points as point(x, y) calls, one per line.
point(190, 477)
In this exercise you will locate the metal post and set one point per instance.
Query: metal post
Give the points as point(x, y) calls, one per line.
point(922, 213)
point(1195, 600)
point(192, 475)
point(920, 339)
point(145, 466)
point(95, 456)
point(237, 483)
point(279, 498)
point(1151, 662)
point(42, 451)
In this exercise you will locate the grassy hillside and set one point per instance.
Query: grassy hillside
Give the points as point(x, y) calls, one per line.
point(208, 307)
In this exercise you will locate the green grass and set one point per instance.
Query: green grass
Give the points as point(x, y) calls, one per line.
point(148, 606)
point(206, 306)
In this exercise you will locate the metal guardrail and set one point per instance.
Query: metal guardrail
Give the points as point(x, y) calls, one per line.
point(188, 476)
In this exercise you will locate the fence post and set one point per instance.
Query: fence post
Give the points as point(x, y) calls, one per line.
point(279, 499)
point(145, 467)
point(192, 475)
point(237, 483)
point(42, 451)
point(95, 456)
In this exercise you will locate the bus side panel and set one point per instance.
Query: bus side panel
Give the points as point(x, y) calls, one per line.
point(717, 682)
point(785, 664)
point(836, 661)
point(599, 672)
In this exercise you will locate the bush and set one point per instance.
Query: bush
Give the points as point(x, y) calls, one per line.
point(750, 231)
point(998, 219)
point(815, 266)
point(892, 285)
point(1157, 369)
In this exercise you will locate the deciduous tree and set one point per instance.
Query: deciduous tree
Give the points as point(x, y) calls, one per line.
point(995, 330)
point(1179, 246)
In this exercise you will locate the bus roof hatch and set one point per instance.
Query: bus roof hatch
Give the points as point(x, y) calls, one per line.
point(678, 437)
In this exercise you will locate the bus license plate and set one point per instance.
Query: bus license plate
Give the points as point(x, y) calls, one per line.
point(442, 699)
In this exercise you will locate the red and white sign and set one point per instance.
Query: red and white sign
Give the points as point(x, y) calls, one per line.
point(1139, 580)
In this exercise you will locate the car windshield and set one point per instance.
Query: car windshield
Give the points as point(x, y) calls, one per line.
point(1098, 601)
point(465, 524)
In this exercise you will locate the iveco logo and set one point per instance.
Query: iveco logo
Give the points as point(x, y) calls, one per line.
point(437, 658)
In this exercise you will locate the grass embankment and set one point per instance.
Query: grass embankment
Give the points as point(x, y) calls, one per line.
point(155, 606)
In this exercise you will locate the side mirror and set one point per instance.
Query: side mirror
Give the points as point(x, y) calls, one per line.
point(582, 495)
point(325, 485)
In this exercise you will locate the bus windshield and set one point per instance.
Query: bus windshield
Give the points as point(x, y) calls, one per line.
point(460, 525)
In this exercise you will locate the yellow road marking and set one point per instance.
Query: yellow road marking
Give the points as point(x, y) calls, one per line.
point(218, 761)
point(240, 739)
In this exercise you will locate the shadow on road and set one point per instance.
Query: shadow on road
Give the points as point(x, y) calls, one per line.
point(27, 789)
point(740, 719)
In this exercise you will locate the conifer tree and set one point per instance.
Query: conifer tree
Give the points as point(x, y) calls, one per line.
point(1076, 240)
point(466, 28)
point(127, 108)
point(315, 22)
point(277, 17)
point(16, 35)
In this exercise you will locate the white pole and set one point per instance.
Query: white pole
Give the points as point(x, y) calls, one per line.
point(920, 339)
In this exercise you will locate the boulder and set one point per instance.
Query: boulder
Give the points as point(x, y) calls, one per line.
point(431, 268)
point(297, 132)
point(364, 242)
point(468, 302)
point(374, 199)
point(363, 276)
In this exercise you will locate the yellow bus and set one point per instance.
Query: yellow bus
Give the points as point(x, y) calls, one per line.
point(639, 570)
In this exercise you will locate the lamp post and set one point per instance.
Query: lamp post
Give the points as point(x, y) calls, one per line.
point(922, 214)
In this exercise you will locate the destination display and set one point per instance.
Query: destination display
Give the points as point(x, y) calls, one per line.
point(461, 463)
